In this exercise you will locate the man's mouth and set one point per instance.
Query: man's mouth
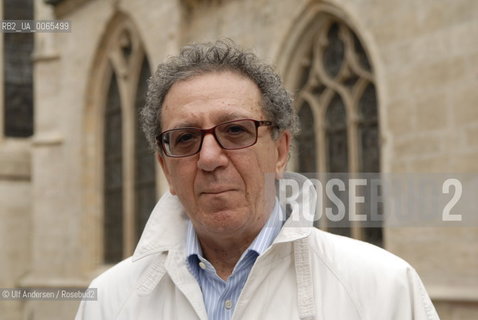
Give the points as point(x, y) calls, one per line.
point(215, 191)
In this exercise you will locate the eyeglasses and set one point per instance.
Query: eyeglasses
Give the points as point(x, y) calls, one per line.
point(231, 135)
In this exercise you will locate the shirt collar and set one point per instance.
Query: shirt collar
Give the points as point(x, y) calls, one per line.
point(269, 232)
point(263, 240)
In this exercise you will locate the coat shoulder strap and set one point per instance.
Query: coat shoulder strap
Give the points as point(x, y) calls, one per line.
point(303, 270)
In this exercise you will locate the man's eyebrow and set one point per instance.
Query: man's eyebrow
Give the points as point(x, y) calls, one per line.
point(185, 124)
point(230, 116)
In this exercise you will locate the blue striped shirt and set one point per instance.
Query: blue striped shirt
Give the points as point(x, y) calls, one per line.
point(220, 297)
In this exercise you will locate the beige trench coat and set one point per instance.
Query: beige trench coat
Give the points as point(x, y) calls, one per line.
point(305, 274)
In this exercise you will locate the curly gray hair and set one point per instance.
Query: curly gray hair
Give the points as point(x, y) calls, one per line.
point(222, 55)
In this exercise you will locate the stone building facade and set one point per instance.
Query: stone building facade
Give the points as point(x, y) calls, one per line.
point(413, 61)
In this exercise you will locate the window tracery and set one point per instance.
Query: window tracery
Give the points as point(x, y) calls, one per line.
point(337, 104)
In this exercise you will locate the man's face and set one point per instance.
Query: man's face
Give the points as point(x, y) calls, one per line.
point(224, 192)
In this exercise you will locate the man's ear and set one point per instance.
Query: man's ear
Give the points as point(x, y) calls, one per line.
point(167, 174)
point(283, 147)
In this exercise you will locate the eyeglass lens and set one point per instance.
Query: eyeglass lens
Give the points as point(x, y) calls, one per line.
point(230, 135)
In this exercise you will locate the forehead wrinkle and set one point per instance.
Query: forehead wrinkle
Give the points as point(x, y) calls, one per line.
point(217, 119)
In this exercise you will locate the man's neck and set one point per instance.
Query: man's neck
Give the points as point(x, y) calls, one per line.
point(223, 251)
point(225, 255)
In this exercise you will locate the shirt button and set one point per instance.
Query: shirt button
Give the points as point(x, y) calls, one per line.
point(202, 265)
point(228, 304)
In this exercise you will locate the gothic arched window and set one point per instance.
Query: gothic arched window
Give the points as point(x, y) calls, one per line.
point(129, 172)
point(337, 105)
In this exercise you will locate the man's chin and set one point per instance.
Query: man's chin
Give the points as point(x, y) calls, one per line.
point(221, 220)
point(221, 201)
point(224, 230)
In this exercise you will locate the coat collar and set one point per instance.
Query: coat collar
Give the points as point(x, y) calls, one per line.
point(165, 229)
point(298, 200)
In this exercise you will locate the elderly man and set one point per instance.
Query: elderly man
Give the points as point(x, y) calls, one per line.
point(216, 246)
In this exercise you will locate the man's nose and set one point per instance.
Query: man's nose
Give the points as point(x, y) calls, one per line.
point(211, 155)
